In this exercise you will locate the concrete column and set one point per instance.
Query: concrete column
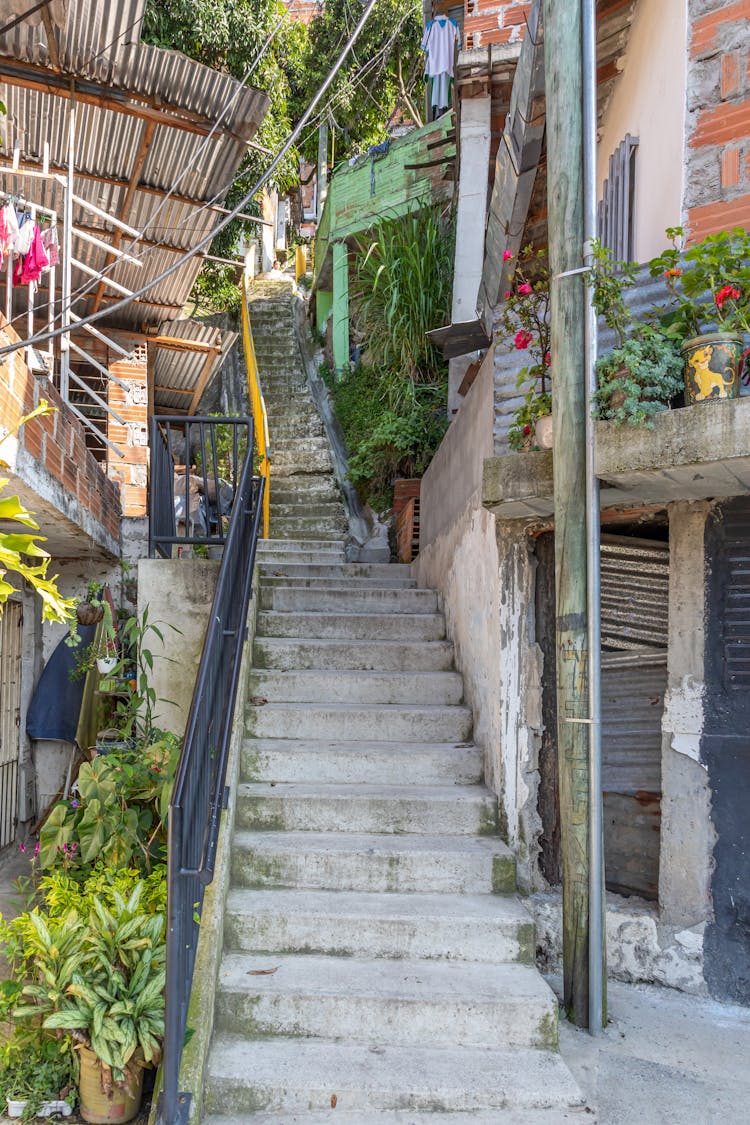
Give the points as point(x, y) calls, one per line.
point(179, 593)
point(471, 215)
point(340, 305)
point(686, 830)
point(131, 403)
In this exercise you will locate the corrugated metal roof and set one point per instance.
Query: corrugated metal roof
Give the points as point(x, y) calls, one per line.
point(99, 44)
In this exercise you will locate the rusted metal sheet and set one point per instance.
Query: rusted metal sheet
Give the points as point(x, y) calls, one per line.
point(632, 829)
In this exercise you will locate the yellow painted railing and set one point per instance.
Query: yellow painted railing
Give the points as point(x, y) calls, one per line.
point(300, 262)
point(257, 404)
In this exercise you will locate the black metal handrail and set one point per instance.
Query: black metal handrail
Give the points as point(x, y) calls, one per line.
point(198, 796)
point(189, 505)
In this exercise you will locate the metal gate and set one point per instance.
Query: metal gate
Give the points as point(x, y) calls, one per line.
point(10, 717)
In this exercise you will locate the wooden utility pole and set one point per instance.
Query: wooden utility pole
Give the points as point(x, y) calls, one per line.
point(563, 70)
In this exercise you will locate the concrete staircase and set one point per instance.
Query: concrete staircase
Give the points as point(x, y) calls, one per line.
point(378, 967)
point(376, 958)
point(305, 500)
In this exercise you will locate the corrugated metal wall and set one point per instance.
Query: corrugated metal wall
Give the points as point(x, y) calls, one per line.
point(10, 713)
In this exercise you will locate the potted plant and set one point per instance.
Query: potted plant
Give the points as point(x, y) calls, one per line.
point(100, 981)
point(642, 374)
point(709, 286)
point(525, 327)
point(35, 1076)
point(95, 608)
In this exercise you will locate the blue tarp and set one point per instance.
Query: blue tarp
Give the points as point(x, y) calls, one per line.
point(56, 704)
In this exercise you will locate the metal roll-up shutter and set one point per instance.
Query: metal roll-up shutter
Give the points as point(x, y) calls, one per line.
point(10, 703)
point(635, 599)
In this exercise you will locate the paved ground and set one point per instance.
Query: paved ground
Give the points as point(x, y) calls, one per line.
point(665, 1059)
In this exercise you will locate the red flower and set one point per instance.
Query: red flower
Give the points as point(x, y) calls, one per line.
point(507, 255)
point(547, 359)
point(727, 293)
point(526, 430)
point(506, 294)
point(523, 339)
point(673, 273)
point(525, 289)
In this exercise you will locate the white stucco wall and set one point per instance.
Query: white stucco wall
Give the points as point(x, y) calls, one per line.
point(649, 103)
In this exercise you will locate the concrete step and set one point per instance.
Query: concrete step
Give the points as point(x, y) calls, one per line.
point(353, 626)
point(324, 552)
point(301, 461)
point(344, 599)
point(556, 1115)
point(479, 928)
point(287, 653)
point(310, 509)
point(299, 526)
point(391, 722)
point(308, 761)
point(374, 863)
point(370, 571)
point(386, 1001)
point(319, 583)
point(303, 1075)
point(457, 810)
point(304, 487)
point(320, 531)
point(344, 686)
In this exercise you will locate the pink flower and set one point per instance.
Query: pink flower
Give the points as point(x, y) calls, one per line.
point(36, 849)
point(506, 294)
point(547, 359)
point(22, 847)
point(522, 339)
point(525, 289)
point(507, 255)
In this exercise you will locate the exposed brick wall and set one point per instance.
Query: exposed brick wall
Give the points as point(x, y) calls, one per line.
point(56, 441)
point(131, 403)
point(494, 21)
point(717, 191)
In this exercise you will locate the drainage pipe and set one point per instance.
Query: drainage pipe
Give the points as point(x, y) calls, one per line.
point(596, 857)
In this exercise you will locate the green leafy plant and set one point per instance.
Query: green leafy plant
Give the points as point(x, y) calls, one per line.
point(118, 813)
point(98, 978)
point(525, 326)
point(608, 278)
point(708, 284)
point(638, 379)
point(21, 553)
point(35, 1068)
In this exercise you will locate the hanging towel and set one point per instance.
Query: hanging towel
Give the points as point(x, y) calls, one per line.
point(29, 267)
point(51, 244)
point(25, 235)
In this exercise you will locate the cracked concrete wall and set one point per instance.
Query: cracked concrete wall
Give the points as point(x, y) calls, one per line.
point(485, 577)
point(687, 836)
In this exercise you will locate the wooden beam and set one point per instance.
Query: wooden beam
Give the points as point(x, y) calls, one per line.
point(173, 390)
point(132, 103)
point(179, 344)
point(54, 54)
point(147, 135)
point(203, 378)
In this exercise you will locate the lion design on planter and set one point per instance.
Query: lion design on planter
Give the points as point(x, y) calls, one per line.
point(708, 382)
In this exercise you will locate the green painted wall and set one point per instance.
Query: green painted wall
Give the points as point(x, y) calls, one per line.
point(323, 305)
point(352, 206)
point(340, 305)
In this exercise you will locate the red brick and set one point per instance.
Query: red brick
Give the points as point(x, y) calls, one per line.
point(714, 217)
point(516, 15)
point(730, 167)
point(722, 124)
point(730, 75)
point(53, 460)
point(705, 29)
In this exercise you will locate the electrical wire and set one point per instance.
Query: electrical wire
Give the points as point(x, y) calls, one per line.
point(43, 337)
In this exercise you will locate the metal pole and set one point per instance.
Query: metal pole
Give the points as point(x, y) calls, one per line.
point(67, 262)
point(597, 952)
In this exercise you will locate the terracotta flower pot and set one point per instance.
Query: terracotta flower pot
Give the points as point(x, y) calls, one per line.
point(99, 1107)
point(712, 366)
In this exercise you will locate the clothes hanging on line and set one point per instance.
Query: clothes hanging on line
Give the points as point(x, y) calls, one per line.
point(51, 244)
point(29, 267)
point(439, 44)
point(8, 231)
point(25, 235)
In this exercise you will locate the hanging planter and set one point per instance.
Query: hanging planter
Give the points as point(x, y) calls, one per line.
point(712, 366)
point(103, 1102)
